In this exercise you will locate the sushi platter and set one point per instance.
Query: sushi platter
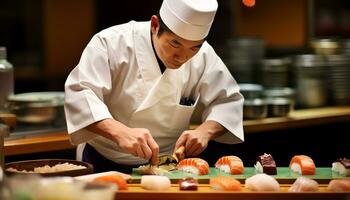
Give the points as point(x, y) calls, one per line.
point(284, 176)
point(135, 191)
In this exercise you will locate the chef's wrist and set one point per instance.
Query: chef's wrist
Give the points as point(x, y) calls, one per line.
point(109, 128)
point(212, 128)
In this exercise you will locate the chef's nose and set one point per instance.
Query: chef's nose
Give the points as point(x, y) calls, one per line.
point(181, 57)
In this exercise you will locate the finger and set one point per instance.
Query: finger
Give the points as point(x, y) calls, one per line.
point(139, 151)
point(180, 142)
point(189, 145)
point(180, 152)
point(198, 151)
point(190, 151)
point(155, 150)
point(147, 151)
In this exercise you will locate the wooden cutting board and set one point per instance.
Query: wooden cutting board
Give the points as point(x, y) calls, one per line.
point(284, 175)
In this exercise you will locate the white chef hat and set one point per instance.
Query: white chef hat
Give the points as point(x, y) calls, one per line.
point(189, 19)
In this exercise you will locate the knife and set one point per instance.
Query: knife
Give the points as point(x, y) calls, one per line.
point(169, 162)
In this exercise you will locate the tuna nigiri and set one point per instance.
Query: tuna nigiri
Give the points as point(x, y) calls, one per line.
point(262, 182)
point(194, 165)
point(303, 165)
point(230, 164)
point(304, 184)
point(116, 179)
point(266, 164)
point(225, 183)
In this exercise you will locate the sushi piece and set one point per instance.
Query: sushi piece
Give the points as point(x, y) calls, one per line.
point(188, 183)
point(196, 166)
point(225, 183)
point(113, 178)
point(155, 182)
point(304, 184)
point(266, 164)
point(342, 166)
point(339, 185)
point(262, 182)
point(152, 170)
point(303, 165)
point(230, 164)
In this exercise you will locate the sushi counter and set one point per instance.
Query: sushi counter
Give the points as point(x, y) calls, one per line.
point(185, 185)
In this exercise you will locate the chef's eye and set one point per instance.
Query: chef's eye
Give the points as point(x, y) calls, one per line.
point(175, 44)
point(194, 49)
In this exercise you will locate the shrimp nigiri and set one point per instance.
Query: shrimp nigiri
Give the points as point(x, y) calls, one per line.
point(230, 164)
point(303, 165)
point(225, 183)
point(194, 165)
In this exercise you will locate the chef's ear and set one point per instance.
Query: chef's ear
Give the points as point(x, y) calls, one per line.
point(154, 24)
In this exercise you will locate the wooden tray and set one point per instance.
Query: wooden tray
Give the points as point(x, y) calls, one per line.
point(284, 175)
point(29, 165)
point(205, 192)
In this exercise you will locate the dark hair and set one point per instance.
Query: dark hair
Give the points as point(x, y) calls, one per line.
point(162, 27)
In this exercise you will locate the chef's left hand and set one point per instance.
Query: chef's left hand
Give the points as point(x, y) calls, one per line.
point(195, 141)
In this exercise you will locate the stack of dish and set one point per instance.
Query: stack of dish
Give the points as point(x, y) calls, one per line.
point(339, 78)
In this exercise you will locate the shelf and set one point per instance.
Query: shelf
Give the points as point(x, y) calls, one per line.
point(300, 118)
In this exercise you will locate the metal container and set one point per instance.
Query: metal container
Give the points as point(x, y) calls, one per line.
point(255, 109)
point(275, 72)
point(38, 107)
point(279, 107)
point(251, 91)
point(325, 46)
point(311, 80)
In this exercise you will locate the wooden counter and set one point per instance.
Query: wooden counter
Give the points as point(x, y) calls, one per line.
point(300, 118)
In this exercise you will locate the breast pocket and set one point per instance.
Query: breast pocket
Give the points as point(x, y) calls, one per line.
point(181, 115)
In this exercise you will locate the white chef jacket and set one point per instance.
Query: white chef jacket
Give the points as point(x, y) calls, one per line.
point(116, 78)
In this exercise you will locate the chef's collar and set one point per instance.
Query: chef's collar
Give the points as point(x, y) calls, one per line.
point(160, 63)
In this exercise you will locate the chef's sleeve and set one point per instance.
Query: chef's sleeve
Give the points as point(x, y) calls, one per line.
point(222, 100)
point(85, 89)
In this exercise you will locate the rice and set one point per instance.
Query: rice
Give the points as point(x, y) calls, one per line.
point(48, 169)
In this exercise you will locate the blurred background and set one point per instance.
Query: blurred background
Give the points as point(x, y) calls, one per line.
point(265, 44)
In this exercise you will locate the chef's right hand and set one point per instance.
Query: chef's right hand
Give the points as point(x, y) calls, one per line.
point(139, 142)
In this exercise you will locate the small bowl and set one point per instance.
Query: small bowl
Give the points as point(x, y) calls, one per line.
point(279, 107)
point(255, 109)
point(29, 165)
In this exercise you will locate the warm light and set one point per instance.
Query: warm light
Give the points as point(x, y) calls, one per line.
point(249, 3)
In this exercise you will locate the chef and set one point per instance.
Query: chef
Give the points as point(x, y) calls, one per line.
point(133, 93)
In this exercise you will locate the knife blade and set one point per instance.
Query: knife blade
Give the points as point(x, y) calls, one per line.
point(169, 162)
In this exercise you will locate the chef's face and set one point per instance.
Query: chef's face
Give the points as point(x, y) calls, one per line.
point(171, 49)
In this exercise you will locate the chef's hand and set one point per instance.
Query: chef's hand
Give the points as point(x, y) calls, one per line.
point(137, 141)
point(196, 141)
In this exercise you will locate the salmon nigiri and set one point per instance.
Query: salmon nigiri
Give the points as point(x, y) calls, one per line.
point(225, 183)
point(194, 165)
point(303, 165)
point(116, 179)
point(230, 164)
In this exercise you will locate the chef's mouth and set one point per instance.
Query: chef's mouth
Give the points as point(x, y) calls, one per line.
point(175, 64)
